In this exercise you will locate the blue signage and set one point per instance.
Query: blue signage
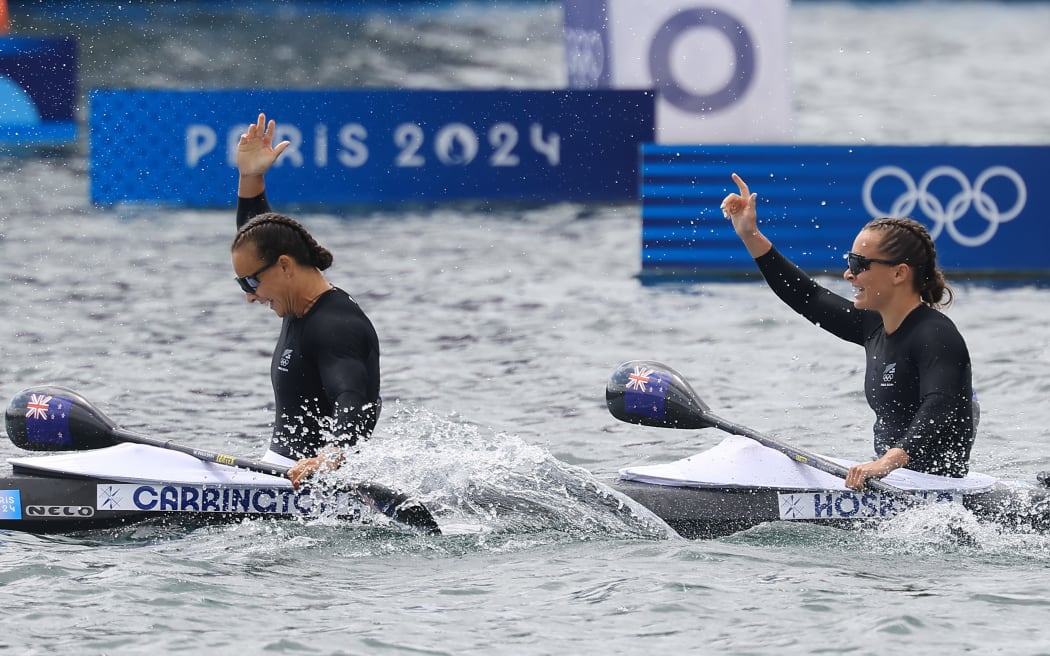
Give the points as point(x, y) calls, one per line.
point(178, 147)
point(981, 204)
point(38, 91)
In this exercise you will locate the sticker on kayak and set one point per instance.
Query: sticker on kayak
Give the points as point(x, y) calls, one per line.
point(219, 499)
point(851, 505)
point(10, 504)
point(645, 392)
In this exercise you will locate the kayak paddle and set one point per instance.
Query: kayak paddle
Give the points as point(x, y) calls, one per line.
point(52, 418)
point(653, 394)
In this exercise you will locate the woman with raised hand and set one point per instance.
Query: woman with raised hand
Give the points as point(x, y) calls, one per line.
point(917, 378)
point(325, 367)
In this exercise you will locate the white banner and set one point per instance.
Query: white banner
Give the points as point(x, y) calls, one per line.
point(720, 67)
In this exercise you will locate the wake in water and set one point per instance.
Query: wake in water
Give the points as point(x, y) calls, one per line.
point(945, 527)
point(493, 484)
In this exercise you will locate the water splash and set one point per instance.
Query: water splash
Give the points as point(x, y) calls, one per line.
point(939, 528)
point(494, 485)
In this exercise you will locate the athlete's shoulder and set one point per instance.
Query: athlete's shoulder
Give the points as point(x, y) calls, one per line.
point(342, 301)
point(933, 327)
point(928, 316)
point(337, 311)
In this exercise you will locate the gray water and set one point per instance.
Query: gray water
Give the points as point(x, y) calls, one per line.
point(500, 326)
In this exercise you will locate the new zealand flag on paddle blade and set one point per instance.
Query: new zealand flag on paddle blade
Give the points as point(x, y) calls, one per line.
point(47, 420)
point(645, 393)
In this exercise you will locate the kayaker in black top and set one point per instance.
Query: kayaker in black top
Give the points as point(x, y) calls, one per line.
point(917, 378)
point(325, 369)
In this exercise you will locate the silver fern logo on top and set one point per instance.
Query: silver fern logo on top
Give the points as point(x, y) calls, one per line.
point(888, 374)
point(945, 211)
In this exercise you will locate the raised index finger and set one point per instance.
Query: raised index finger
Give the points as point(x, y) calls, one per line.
point(742, 186)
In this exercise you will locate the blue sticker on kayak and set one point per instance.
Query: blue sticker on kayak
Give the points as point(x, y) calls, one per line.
point(10, 504)
point(47, 420)
point(645, 392)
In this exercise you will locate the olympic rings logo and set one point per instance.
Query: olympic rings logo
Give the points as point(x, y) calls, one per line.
point(945, 215)
point(587, 59)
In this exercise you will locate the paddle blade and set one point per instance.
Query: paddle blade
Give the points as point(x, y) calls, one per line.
point(52, 418)
point(398, 506)
point(653, 394)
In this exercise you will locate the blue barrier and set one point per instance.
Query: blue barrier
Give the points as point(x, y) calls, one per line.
point(983, 205)
point(372, 146)
point(38, 91)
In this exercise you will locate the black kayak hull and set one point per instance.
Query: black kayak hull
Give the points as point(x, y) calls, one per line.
point(709, 512)
point(47, 504)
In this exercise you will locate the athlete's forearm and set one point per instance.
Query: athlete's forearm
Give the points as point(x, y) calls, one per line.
point(249, 186)
point(756, 243)
point(249, 207)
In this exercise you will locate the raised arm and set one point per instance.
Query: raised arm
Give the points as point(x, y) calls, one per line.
point(255, 155)
point(804, 295)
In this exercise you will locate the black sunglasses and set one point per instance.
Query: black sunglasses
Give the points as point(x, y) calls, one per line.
point(858, 264)
point(250, 283)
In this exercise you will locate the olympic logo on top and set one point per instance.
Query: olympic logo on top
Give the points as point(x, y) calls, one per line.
point(945, 215)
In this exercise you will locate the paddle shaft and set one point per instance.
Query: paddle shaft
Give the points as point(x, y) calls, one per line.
point(798, 455)
point(392, 503)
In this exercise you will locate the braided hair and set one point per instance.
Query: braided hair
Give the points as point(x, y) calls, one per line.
point(275, 235)
point(907, 240)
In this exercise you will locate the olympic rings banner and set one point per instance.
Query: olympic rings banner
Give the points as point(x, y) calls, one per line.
point(984, 206)
point(371, 146)
point(720, 68)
